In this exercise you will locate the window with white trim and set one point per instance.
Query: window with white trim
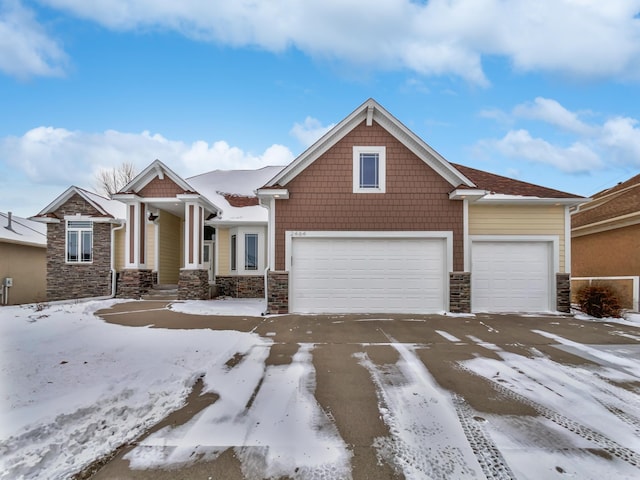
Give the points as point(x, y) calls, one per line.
point(251, 251)
point(79, 241)
point(369, 169)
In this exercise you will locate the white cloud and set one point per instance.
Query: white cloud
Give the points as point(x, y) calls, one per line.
point(622, 136)
point(519, 144)
point(580, 38)
point(311, 130)
point(25, 47)
point(596, 145)
point(550, 111)
point(56, 156)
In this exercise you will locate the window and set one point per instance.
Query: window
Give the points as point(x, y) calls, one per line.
point(251, 251)
point(234, 250)
point(369, 169)
point(79, 241)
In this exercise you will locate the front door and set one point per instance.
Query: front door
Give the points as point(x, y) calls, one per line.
point(208, 258)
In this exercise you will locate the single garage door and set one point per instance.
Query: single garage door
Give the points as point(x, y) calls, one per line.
point(367, 275)
point(510, 276)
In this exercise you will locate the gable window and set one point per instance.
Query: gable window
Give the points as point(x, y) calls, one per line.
point(251, 251)
point(369, 169)
point(79, 241)
point(234, 251)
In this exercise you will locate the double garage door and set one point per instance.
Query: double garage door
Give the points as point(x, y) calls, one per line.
point(368, 275)
point(343, 274)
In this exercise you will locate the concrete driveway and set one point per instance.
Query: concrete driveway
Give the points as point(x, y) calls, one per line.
point(411, 396)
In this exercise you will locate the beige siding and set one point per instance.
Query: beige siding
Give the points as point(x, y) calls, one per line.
point(222, 245)
point(27, 266)
point(119, 248)
point(169, 248)
point(151, 246)
point(519, 220)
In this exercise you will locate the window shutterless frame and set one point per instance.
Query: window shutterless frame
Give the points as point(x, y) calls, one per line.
point(251, 251)
point(79, 241)
point(369, 169)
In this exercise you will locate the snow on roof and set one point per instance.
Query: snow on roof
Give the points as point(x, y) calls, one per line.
point(114, 207)
point(243, 183)
point(23, 231)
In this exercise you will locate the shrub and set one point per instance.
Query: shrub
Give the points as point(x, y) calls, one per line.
point(599, 301)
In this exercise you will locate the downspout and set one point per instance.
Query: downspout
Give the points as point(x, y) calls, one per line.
point(113, 258)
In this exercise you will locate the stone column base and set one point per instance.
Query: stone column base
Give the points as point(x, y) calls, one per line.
point(134, 283)
point(460, 292)
point(278, 294)
point(193, 285)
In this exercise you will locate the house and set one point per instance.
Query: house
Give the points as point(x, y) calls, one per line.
point(605, 235)
point(368, 219)
point(160, 229)
point(372, 219)
point(23, 257)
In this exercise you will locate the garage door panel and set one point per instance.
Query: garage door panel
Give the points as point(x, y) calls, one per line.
point(511, 276)
point(367, 275)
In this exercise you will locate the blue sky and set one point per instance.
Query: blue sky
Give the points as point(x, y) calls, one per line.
point(546, 92)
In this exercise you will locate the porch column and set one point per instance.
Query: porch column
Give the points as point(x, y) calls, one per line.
point(193, 283)
point(135, 244)
point(193, 236)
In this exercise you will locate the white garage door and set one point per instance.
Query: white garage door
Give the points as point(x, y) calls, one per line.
point(510, 276)
point(367, 275)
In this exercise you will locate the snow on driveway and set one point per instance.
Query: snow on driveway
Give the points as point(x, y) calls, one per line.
point(580, 408)
point(74, 388)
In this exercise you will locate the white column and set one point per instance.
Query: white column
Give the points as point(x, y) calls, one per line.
point(193, 234)
point(135, 236)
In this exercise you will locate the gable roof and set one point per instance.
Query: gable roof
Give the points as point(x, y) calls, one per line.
point(622, 200)
point(155, 169)
point(497, 184)
point(22, 231)
point(107, 208)
point(371, 111)
point(233, 191)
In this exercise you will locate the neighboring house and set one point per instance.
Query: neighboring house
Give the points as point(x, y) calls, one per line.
point(372, 219)
point(368, 219)
point(606, 240)
point(23, 259)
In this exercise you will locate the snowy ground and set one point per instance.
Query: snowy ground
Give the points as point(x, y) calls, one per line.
point(74, 388)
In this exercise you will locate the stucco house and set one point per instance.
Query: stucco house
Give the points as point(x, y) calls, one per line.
point(606, 241)
point(23, 257)
point(368, 219)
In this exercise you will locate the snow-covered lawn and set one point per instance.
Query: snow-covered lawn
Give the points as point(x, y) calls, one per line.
point(74, 388)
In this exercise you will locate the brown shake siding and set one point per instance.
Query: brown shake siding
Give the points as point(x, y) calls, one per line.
point(321, 197)
point(157, 188)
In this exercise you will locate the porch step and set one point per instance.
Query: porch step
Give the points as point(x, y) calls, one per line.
point(162, 292)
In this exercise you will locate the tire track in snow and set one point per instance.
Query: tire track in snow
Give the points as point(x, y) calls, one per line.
point(607, 444)
point(427, 440)
point(493, 464)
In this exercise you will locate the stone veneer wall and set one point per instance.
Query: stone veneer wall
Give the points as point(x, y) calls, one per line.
point(77, 280)
point(460, 292)
point(278, 292)
point(563, 292)
point(133, 283)
point(240, 286)
point(193, 285)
